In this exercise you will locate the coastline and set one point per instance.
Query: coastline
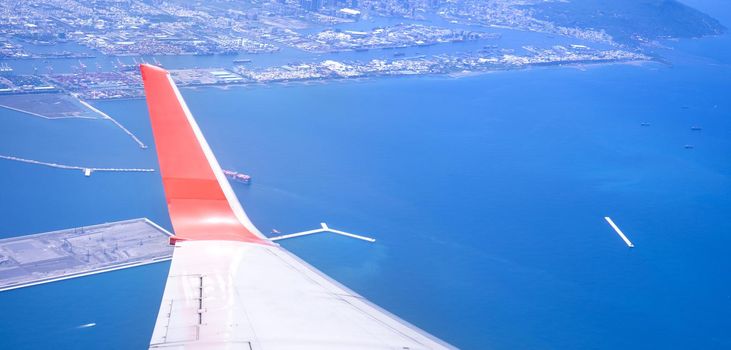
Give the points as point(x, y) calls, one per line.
point(326, 80)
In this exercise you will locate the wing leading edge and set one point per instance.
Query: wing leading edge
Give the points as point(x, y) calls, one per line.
point(231, 288)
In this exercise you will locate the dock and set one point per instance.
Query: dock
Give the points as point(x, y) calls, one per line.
point(58, 255)
point(619, 232)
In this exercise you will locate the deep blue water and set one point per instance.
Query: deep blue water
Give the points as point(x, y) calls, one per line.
point(486, 194)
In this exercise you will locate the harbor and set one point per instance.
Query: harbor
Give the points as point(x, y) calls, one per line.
point(75, 252)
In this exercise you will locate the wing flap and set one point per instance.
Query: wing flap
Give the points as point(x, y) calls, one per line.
point(267, 297)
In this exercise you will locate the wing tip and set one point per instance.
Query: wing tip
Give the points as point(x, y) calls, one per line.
point(148, 70)
point(201, 204)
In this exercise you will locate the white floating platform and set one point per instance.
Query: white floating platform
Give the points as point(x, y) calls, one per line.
point(619, 232)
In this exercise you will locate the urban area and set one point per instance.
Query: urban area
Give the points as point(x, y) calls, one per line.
point(316, 39)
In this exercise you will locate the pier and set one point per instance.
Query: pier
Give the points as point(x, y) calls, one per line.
point(58, 255)
point(619, 232)
point(86, 170)
point(324, 228)
point(108, 117)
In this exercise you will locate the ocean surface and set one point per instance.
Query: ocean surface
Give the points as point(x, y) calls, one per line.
point(486, 193)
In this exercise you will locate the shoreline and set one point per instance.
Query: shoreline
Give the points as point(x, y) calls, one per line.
point(584, 64)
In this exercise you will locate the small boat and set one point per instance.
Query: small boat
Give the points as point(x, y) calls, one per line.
point(688, 146)
point(645, 124)
point(275, 232)
point(696, 128)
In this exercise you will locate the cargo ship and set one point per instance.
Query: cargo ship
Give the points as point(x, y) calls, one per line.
point(238, 177)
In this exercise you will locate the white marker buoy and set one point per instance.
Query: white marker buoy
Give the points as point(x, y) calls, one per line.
point(619, 232)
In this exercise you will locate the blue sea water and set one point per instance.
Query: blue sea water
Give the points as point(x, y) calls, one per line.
point(486, 194)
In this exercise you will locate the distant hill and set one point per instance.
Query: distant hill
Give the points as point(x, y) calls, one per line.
point(631, 21)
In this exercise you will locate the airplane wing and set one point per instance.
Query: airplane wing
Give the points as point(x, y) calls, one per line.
point(229, 287)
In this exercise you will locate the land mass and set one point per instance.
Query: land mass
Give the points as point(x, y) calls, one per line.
point(630, 21)
point(372, 31)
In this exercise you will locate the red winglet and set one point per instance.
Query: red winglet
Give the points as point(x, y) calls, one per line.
point(201, 203)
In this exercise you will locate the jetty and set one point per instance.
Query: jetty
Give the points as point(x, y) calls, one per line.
point(324, 228)
point(86, 170)
point(108, 117)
